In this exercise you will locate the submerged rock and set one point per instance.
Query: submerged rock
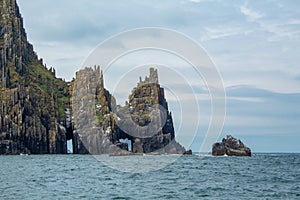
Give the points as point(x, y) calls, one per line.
point(230, 146)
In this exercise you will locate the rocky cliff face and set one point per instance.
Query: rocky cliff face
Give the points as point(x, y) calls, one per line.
point(147, 120)
point(94, 122)
point(232, 147)
point(32, 99)
point(100, 125)
point(39, 112)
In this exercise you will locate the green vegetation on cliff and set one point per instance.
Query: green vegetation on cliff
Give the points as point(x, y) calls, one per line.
point(33, 100)
point(36, 115)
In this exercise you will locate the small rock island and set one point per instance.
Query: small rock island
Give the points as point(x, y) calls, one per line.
point(230, 146)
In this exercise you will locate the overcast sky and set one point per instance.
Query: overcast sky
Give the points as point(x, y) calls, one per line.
point(254, 44)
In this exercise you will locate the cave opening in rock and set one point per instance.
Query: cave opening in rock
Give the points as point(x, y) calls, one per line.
point(128, 142)
point(70, 146)
point(70, 140)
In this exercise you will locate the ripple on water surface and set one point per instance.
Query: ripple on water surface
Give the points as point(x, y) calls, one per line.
point(263, 176)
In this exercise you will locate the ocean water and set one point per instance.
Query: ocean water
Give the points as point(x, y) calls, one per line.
point(263, 176)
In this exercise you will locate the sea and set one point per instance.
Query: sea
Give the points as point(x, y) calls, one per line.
point(262, 176)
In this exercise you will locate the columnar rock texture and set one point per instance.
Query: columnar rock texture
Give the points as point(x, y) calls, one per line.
point(32, 100)
point(100, 125)
point(95, 129)
point(231, 146)
point(147, 120)
point(39, 112)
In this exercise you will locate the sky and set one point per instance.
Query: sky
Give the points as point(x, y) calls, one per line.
point(255, 45)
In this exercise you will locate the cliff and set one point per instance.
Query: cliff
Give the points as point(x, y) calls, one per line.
point(32, 100)
point(39, 112)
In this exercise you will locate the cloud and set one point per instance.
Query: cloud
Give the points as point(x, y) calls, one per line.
point(199, 1)
point(221, 32)
point(251, 14)
point(278, 28)
point(248, 99)
point(294, 22)
point(273, 105)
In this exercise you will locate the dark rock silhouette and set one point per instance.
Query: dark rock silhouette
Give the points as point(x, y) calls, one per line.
point(188, 152)
point(230, 146)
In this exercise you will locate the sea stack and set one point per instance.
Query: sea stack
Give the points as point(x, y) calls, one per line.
point(39, 112)
point(230, 146)
point(103, 127)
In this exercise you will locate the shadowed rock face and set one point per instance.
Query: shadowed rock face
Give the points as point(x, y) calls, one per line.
point(148, 109)
point(29, 93)
point(230, 146)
